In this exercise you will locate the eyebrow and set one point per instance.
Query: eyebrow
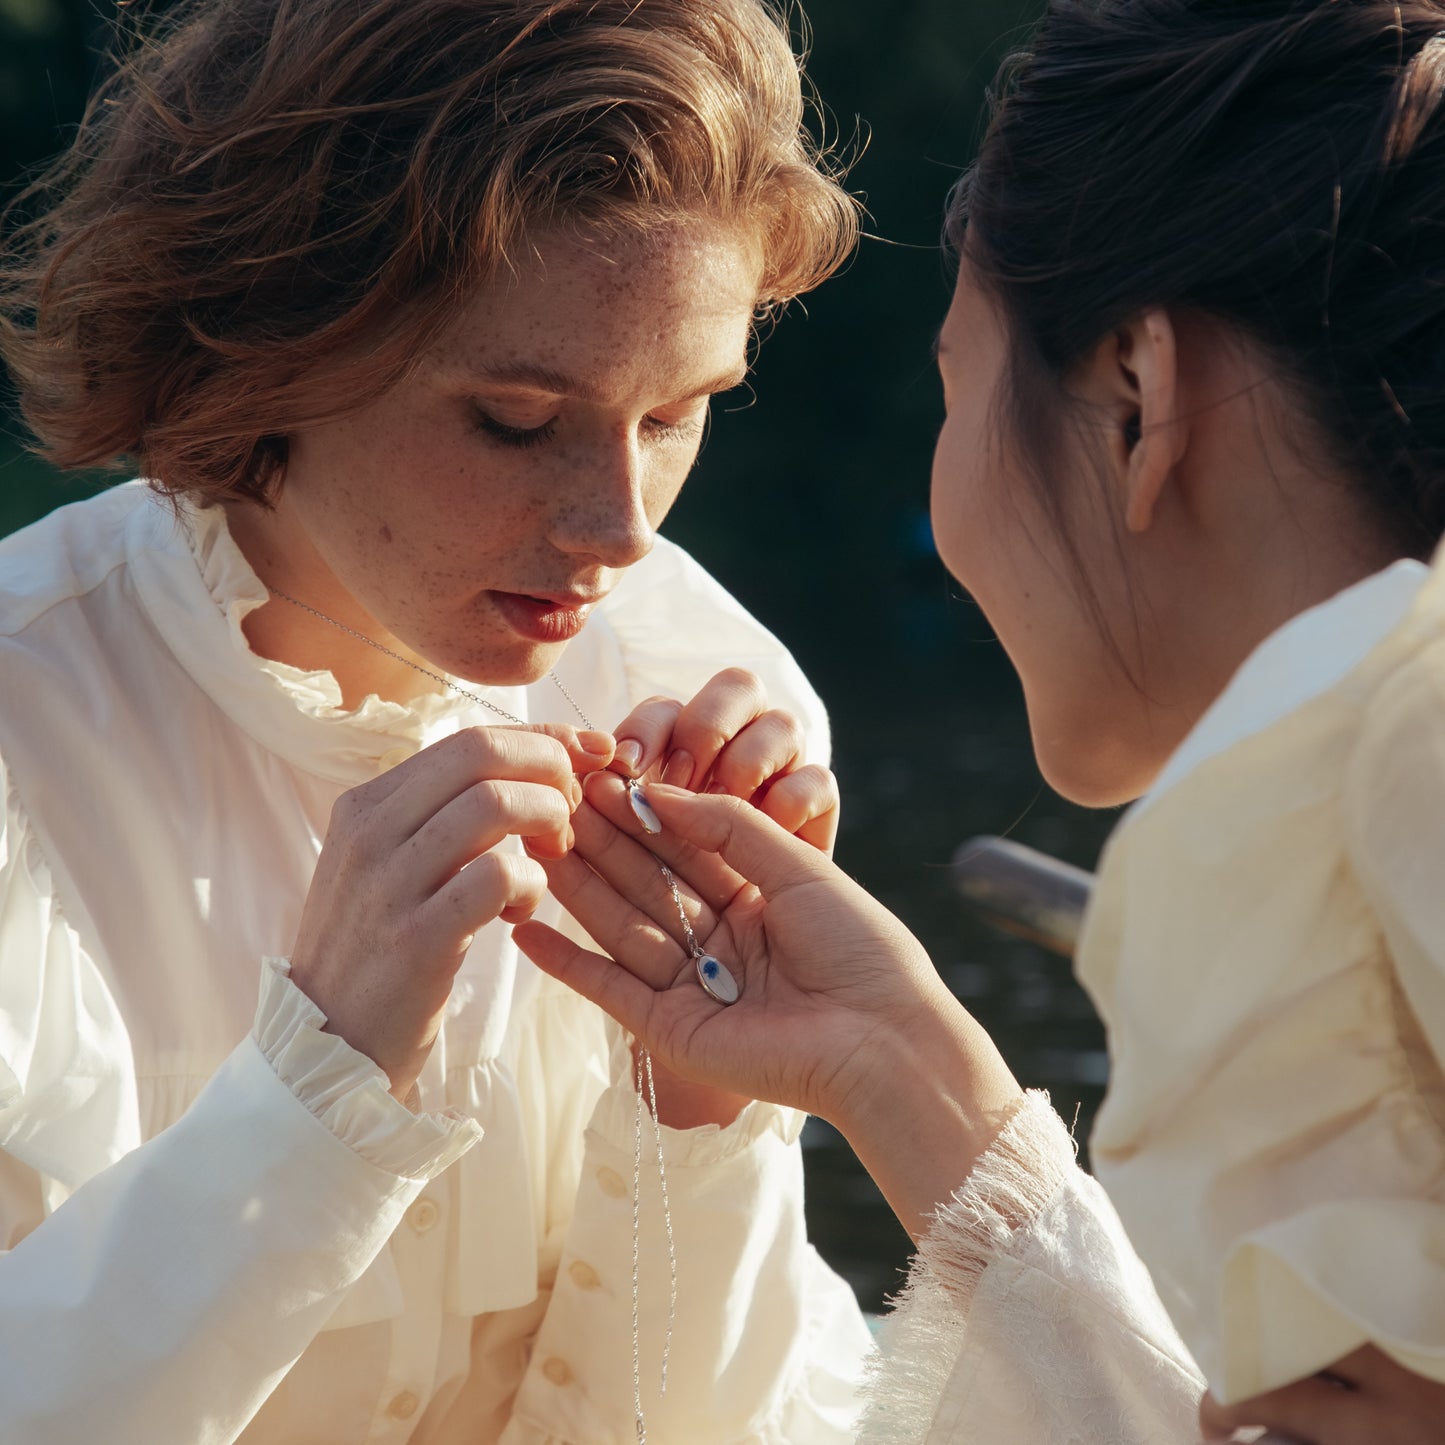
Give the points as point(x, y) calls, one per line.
point(544, 378)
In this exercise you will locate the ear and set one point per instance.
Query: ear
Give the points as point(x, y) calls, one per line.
point(1134, 374)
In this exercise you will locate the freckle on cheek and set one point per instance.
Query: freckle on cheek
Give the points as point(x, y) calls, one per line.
point(385, 533)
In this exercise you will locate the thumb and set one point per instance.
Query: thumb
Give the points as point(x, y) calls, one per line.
point(746, 839)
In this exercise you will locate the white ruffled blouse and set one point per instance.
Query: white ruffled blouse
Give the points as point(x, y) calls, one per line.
point(218, 1224)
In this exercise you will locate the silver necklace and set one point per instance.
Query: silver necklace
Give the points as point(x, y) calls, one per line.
point(711, 972)
point(713, 976)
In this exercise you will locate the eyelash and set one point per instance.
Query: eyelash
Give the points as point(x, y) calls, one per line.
point(519, 437)
point(523, 438)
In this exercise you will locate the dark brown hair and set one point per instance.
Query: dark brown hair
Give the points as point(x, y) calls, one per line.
point(273, 205)
point(1279, 164)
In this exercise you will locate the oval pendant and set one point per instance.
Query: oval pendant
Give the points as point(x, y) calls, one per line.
point(715, 978)
point(642, 809)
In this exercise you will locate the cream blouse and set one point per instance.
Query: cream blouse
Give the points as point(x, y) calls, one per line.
point(219, 1224)
point(1267, 947)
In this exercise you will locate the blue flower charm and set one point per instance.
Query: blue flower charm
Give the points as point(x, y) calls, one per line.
point(715, 978)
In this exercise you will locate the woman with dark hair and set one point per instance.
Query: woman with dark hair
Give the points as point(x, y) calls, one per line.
point(410, 312)
point(1193, 467)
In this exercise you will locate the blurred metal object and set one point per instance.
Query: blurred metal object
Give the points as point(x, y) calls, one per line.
point(1024, 891)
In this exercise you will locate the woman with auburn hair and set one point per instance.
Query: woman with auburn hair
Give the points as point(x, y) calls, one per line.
point(410, 312)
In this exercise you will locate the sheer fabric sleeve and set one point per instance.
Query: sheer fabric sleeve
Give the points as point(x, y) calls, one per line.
point(1027, 1317)
point(155, 1293)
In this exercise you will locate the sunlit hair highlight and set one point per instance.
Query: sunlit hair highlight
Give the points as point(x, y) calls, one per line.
point(273, 206)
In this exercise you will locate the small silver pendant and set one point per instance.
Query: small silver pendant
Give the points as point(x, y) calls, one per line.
point(715, 978)
point(642, 809)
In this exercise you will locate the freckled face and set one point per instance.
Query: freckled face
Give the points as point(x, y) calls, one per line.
point(478, 508)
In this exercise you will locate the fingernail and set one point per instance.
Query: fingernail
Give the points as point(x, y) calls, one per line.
point(574, 793)
point(597, 745)
point(678, 772)
point(716, 787)
point(629, 754)
point(571, 839)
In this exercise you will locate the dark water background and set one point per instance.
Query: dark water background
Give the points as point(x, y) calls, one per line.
point(810, 503)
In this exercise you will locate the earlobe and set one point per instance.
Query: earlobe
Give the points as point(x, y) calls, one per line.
point(1155, 434)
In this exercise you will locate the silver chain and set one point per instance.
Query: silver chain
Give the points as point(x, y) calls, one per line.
point(642, 1062)
point(693, 946)
point(442, 678)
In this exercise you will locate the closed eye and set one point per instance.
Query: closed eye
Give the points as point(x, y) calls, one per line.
point(520, 437)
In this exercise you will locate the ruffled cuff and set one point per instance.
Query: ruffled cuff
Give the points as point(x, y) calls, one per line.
point(615, 1121)
point(1005, 1193)
point(348, 1092)
point(1009, 1186)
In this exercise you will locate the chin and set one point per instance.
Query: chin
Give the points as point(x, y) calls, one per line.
point(507, 667)
point(1101, 774)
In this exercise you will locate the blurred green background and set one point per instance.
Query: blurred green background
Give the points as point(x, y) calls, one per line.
point(810, 503)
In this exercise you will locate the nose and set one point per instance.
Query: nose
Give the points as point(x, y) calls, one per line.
point(601, 512)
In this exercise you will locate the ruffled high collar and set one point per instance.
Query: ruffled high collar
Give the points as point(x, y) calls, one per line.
point(198, 589)
point(237, 591)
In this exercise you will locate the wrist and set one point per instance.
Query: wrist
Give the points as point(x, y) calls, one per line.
point(930, 1096)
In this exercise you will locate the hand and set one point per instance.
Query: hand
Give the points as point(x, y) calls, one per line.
point(841, 1012)
point(1364, 1399)
point(728, 740)
point(410, 870)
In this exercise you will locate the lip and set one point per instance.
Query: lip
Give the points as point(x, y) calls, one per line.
point(545, 617)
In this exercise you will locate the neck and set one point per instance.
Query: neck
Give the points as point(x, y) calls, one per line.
point(284, 632)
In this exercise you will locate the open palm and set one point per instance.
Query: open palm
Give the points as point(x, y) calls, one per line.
point(821, 966)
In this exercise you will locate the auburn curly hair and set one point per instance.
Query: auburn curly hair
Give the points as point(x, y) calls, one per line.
point(272, 206)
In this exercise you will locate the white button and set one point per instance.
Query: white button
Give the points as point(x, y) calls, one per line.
point(611, 1182)
point(558, 1371)
point(404, 1405)
point(583, 1275)
point(392, 757)
point(423, 1215)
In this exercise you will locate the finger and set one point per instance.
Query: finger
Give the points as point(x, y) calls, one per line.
point(644, 734)
point(588, 749)
point(1311, 1412)
point(631, 868)
point(499, 884)
point(402, 801)
point(473, 822)
point(705, 874)
point(749, 842)
point(770, 745)
point(607, 984)
point(1370, 1368)
point(640, 937)
point(727, 704)
point(805, 803)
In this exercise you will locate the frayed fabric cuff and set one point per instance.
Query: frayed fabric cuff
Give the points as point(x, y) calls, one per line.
point(345, 1090)
point(991, 1211)
point(1007, 1190)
